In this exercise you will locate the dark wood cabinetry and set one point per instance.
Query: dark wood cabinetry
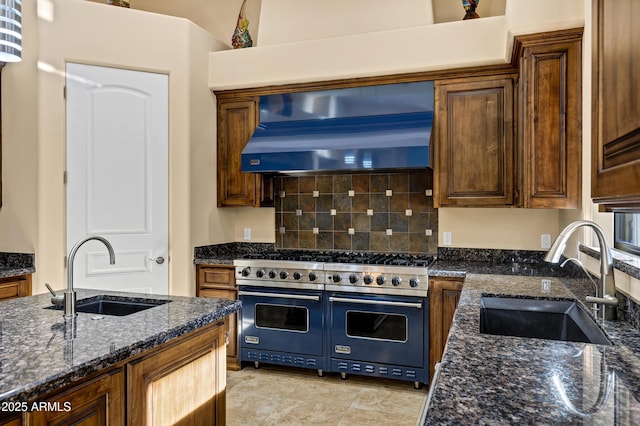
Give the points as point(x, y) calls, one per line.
point(99, 401)
point(550, 118)
point(238, 117)
point(12, 287)
point(615, 133)
point(444, 294)
point(219, 281)
point(504, 135)
point(474, 142)
point(514, 140)
point(180, 384)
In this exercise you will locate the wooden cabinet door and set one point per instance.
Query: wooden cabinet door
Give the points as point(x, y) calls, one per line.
point(97, 402)
point(615, 133)
point(237, 120)
point(230, 325)
point(474, 144)
point(182, 383)
point(19, 286)
point(444, 295)
point(219, 281)
point(551, 118)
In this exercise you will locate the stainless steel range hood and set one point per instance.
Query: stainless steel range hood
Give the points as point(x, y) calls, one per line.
point(359, 129)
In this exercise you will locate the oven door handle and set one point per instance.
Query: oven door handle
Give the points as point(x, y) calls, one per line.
point(281, 295)
point(376, 302)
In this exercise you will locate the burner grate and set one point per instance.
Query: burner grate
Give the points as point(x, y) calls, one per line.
point(343, 257)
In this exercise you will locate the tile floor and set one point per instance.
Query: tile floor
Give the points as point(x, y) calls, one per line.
point(273, 395)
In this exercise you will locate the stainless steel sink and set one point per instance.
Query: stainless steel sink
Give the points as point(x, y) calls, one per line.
point(114, 305)
point(563, 320)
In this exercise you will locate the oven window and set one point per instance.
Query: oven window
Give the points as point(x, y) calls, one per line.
point(282, 317)
point(376, 325)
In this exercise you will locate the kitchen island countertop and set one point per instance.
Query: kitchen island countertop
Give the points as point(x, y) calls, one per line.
point(37, 354)
point(487, 379)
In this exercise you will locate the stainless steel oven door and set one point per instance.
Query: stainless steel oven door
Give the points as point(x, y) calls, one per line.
point(282, 320)
point(378, 329)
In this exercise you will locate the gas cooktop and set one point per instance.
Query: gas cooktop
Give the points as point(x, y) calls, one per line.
point(402, 259)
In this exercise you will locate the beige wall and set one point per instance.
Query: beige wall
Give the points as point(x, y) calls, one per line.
point(284, 21)
point(33, 217)
point(218, 17)
point(508, 228)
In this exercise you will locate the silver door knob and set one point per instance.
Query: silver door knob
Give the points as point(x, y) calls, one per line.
point(159, 260)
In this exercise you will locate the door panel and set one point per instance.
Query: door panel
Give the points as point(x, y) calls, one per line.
point(117, 176)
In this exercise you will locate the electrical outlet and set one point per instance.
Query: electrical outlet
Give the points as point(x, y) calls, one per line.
point(247, 233)
point(446, 236)
point(546, 286)
point(545, 241)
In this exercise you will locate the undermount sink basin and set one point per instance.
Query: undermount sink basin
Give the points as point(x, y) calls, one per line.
point(114, 305)
point(563, 320)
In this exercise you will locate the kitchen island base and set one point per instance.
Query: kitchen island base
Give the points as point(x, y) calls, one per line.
point(182, 380)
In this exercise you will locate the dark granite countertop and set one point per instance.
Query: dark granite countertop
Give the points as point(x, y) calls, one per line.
point(224, 254)
point(36, 355)
point(16, 264)
point(491, 380)
point(15, 272)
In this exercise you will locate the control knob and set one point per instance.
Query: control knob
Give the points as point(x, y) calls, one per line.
point(413, 282)
point(272, 274)
point(313, 276)
point(367, 279)
point(246, 272)
point(284, 275)
point(381, 280)
point(260, 273)
point(337, 278)
point(297, 275)
point(353, 278)
point(396, 281)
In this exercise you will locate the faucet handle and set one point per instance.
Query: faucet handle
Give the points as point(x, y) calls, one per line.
point(606, 300)
point(53, 293)
point(57, 299)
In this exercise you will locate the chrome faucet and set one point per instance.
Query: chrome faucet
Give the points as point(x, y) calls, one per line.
point(606, 295)
point(68, 298)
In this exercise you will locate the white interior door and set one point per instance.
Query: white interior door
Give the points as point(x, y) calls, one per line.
point(117, 177)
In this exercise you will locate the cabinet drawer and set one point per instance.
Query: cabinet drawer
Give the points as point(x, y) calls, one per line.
point(9, 290)
point(219, 293)
point(15, 287)
point(216, 277)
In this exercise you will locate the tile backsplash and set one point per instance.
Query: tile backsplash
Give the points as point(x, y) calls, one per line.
point(378, 212)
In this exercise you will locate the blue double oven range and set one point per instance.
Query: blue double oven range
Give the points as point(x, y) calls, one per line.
point(350, 313)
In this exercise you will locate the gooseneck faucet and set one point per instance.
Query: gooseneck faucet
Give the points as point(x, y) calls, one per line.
point(69, 299)
point(606, 295)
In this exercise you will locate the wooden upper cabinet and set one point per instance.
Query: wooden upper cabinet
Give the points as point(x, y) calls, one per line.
point(550, 118)
point(474, 142)
point(615, 133)
point(237, 120)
